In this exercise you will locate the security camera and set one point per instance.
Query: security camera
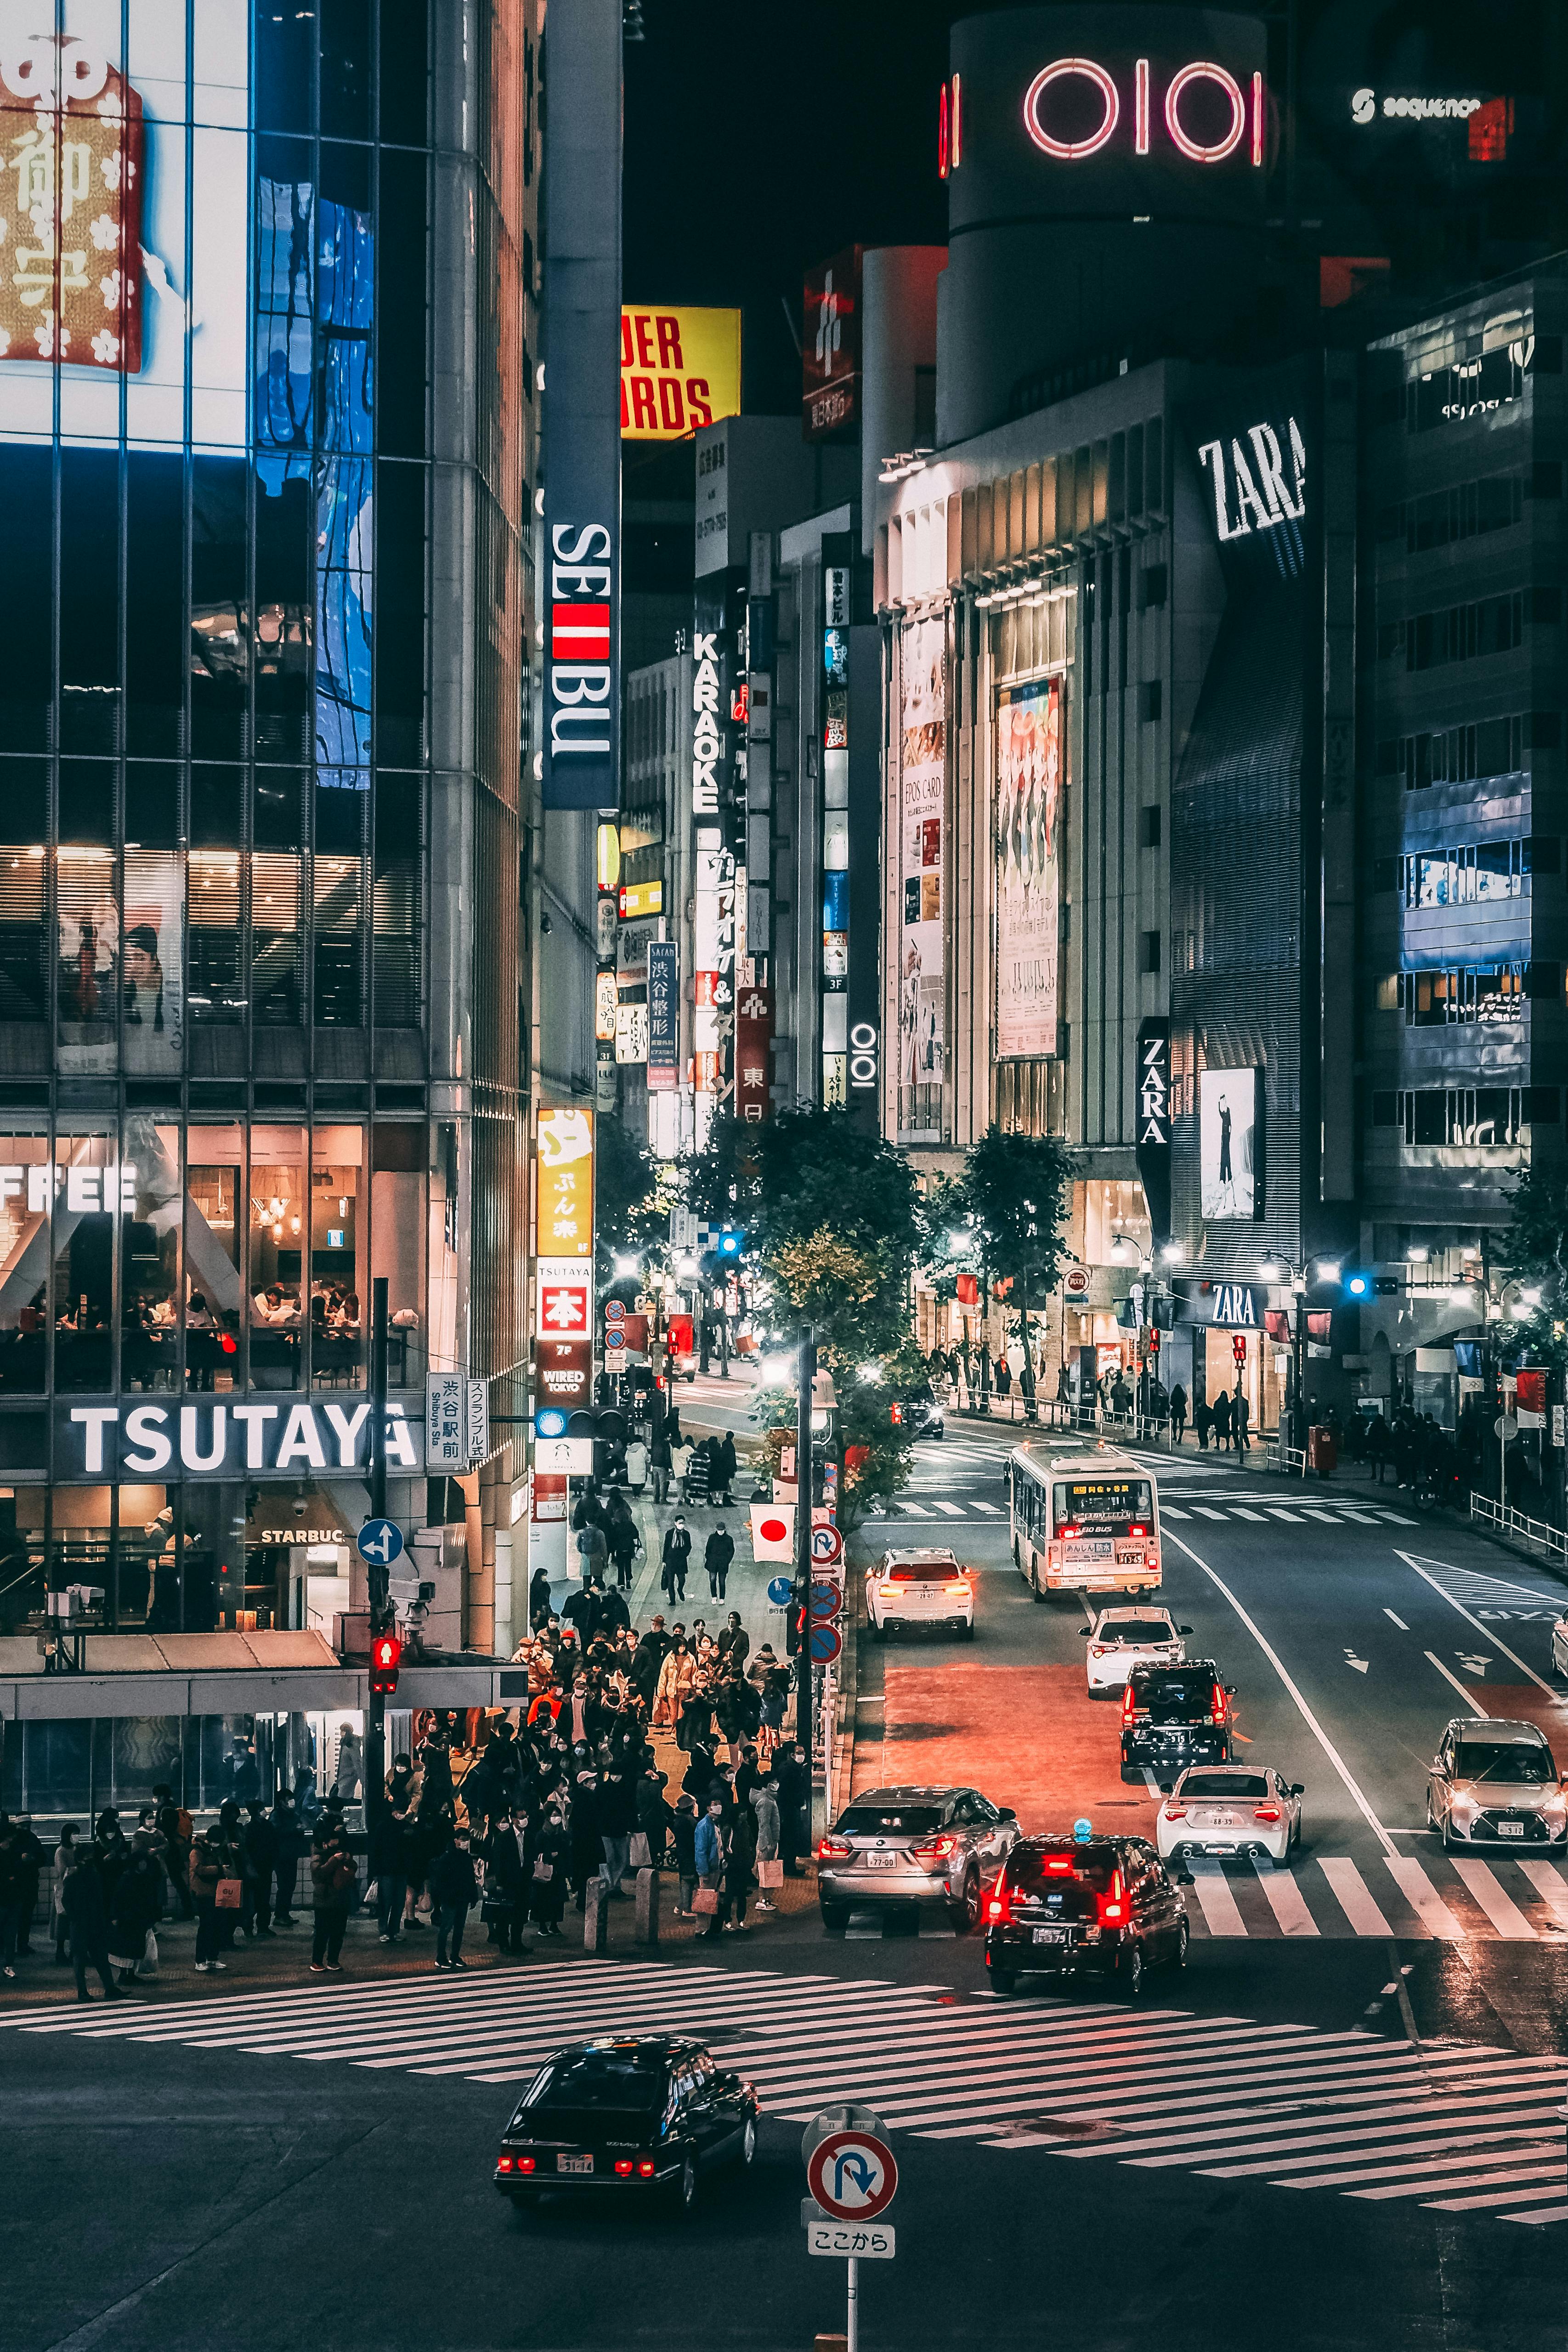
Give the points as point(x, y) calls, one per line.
point(300, 1507)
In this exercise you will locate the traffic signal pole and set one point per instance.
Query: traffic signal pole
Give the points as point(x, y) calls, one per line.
point(376, 1575)
point(805, 1491)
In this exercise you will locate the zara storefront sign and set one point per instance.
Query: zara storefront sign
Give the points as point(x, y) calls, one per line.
point(1261, 484)
point(247, 1437)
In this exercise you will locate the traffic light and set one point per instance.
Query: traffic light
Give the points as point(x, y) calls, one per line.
point(731, 1242)
point(550, 1420)
point(1358, 1285)
point(1239, 1348)
point(386, 1655)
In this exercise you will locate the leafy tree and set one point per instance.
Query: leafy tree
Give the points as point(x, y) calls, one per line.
point(1535, 1247)
point(631, 1219)
point(1012, 1198)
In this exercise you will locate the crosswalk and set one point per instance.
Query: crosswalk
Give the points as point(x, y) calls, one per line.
point(949, 1502)
point(1454, 2126)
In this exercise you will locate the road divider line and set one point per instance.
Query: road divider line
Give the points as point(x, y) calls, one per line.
point(1489, 1631)
point(1476, 1709)
point(1397, 1621)
point(1305, 1712)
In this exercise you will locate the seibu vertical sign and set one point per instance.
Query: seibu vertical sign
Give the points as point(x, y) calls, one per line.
point(580, 576)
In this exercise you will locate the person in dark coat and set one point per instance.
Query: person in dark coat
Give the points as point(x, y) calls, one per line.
point(138, 1900)
point(506, 1856)
point(26, 1868)
point(614, 1617)
point(724, 1465)
point(453, 1890)
point(387, 1863)
point(538, 1595)
point(740, 1869)
point(676, 1558)
point(547, 1872)
point(1178, 1413)
point(615, 1812)
point(333, 1881)
point(654, 1817)
point(717, 1558)
point(1203, 1424)
point(259, 1841)
point(734, 1644)
point(586, 1853)
point(794, 1806)
point(1220, 1418)
point(87, 1909)
point(289, 1846)
point(643, 1672)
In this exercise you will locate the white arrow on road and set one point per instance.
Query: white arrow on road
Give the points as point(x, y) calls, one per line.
point(1473, 1665)
point(1359, 1664)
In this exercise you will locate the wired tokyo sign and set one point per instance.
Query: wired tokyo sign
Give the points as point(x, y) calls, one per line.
point(1074, 107)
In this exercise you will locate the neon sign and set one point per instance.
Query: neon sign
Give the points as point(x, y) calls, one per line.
point(1246, 111)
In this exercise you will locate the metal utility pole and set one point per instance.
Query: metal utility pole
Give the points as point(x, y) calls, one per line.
point(805, 1491)
point(377, 1573)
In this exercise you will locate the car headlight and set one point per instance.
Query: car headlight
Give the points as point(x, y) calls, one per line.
point(1461, 1807)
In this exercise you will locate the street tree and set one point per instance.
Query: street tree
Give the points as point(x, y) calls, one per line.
point(1012, 1198)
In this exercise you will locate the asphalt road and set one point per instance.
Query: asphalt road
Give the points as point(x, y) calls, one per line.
point(1315, 2135)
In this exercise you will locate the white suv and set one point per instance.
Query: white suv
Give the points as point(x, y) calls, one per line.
point(1120, 1639)
point(920, 1587)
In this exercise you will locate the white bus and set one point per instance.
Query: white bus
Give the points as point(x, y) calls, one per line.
point(1084, 1522)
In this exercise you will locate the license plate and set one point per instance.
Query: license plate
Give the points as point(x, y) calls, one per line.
point(574, 2164)
point(1225, 1821)
point(1511, 1828)
point(882, 1860)
point(1050, 1935)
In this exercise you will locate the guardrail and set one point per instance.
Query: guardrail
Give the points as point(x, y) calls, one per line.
point(1290, 1460)
point(1536, 1535)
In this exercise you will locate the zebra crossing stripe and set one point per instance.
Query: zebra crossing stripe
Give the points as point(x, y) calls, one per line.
point(1549, 1885)
point(1351, 1893)
point(1242, 1512)
point(1286, 1901)
point(1219, 1905)
point(1500, 1908)
point(1424, 1899)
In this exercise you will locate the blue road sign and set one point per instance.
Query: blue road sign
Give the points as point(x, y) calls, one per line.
point(779, 1590)
point(826, 1641)
point(381, 1541)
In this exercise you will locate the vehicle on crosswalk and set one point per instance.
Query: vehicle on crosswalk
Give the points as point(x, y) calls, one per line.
point(635, 2112)
point(932, 1846)
point(1493, 1782)
point(1176, 1715)
point(920, 1585)
point(1066, 1907)
point(1134, 1635)
point(1229, 1810)
point(1084, 1522)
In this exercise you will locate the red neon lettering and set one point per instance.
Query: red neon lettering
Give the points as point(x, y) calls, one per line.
point(1193, 149)
point(642, 403)
point(1069, 151)
point(1258, 119)
point(670, 344)
point(942, 133)
point(670, 406)
point(1141, 107)
point(957, 121)
point(644, 340)
point(699, 402)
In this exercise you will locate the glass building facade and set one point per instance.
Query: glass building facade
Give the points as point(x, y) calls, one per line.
point(267, 457)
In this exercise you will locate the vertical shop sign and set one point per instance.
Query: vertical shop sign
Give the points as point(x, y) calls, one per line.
point(445, 1422)
point(663, 1016)
point(753, 1041)
point(565, 1184)
point(922, 974)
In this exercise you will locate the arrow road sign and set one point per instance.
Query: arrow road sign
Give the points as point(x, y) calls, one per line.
point(379, 1542)
point(826, 1642)
point(853, 2176)
point(827, 1546)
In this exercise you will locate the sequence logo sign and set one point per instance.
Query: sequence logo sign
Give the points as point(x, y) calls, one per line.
point(1073, 108)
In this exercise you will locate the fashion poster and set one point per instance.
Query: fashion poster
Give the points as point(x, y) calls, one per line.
point(923, 784)
point(1028, 794)
point(1227, 1143)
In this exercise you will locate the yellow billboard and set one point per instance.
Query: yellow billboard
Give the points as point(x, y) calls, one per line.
point(679, 368)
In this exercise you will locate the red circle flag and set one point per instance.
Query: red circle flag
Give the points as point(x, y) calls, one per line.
point(773, 1530)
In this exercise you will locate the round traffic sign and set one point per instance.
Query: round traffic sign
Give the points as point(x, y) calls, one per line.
point(853, 2176)
point(826, 1641)
point(827, 1598)
point(615, 1337)
point(827, 1546)
point(1505, 1425)
point(1077, 1282)
point(780, 1591)
point(614, 1310)
point(381, 1540)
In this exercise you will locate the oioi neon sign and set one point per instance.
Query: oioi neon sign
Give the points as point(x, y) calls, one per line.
point(1244, 115)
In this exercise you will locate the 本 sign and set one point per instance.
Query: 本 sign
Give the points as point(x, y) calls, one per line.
point(445, 1422)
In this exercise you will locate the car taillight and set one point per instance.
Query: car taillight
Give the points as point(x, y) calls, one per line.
point(998, 1903)
point(1113, 1908)
point(1150, 1559)
point(1265, 1813)
point(889, 1592)
point(1217, 1711)
point(624, 2167)
point(1137, 1531)
point(505, 2165)
point(830, 1848)
point(646, 2169)
point(934, 1849)
point(1058, 1865)
point(524, 2164)
point(1098, 1649)
point(1128, 1708)
point(1175, 1812)
point(962, 1591)
point(1066, 1535)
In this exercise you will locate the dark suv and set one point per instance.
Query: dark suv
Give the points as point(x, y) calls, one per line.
point(1173, 1717)
point(1101, 1907)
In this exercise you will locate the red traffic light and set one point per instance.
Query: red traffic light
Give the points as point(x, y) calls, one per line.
point(386, 1656)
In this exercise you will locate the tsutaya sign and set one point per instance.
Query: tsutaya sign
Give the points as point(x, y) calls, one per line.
point(246, 1437)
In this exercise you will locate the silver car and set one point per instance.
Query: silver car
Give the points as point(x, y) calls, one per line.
point(1495, 1783)
point(935, 1847)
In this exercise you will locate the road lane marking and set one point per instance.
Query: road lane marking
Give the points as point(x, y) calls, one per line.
point(1499, 1907)
point(1397, 1517)
point(1205, 1512)
point(1280, 1511)
point(1173, 1511)
point(1474, 1704)
point(1354, 1897)
point(1242, 1512)
point(1488, 1632)
point(951, 1510)
point(1549, 1885)
point(1308, 1718)
point(995, 1509)
point(1285, 1899)
point(1221, 1909)
point(1425, 1900)
point(1398, 1620)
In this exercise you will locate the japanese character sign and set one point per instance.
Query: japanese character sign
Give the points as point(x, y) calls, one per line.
point(72, 164)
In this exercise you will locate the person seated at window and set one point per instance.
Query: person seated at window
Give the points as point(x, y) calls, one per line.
point(161, 1314)
point(268, 1306)
point(198, 1314)
point(345, 1317)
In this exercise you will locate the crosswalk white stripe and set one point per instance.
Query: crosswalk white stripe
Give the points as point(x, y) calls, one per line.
point(1549, 1885)
point(1465, 2134)
point(993, 1510)
point(1495, 2204)
point(951, 1509)
point(1242, 1512)
point(1110, 2083)
point(1280, 1511)
point(1350, 1891)
point(1164, 2055)
point(1286, 1901)
point(1416, 2173)
point(1204, 1511)
point(1504, 1913)
point(1221, 1909)
point(1475, 2180)
point(1174, 1511)
point(1220, 2112)
point(1424, 1899)
point(1396, 1519)
point(1240, 2130)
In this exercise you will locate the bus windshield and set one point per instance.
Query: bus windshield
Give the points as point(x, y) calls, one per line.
point(1105, 1507)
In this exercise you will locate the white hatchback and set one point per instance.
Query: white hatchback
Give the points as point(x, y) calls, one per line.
point(1120, 1639)
point(1231, 1809)
point(920, 1587)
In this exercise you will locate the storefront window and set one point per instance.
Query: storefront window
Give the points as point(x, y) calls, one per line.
point(24, 1262)
point(87, 1177)
point(337, 1313)
point(215, 1189)
point(88, 958)
point(1114, 1210)
point(150, 1320)
point(280, 1243)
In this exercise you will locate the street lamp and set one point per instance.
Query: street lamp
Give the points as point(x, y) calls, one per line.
point(1278, 1268)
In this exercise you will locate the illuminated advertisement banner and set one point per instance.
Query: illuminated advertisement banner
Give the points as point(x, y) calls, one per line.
point(753, 1039)
point(232, 1438)
point(922, 972)
point(1029, 796)
point(664, 1016)
point(830, 346)
point(566, 1185)
point(679, 368)
point(105, 280)
point(1229, 1144)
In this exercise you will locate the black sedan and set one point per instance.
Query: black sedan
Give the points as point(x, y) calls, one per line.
point(636, 2112)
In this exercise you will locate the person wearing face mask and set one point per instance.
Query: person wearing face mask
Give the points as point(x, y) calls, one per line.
point(546, 1872)
point(453, 1890)
point(678, 1554)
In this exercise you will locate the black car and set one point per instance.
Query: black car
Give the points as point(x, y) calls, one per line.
point(1104, 1906)
point(639, 2112)
point(1173, 1717)
point(922, 1414)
